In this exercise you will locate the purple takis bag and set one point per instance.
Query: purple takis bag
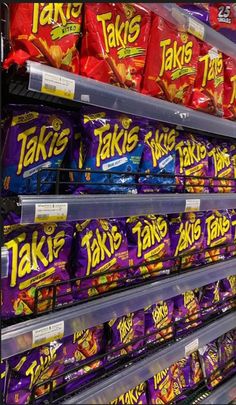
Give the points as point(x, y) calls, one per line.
point(226, 353)
point(192, 160)
point(3, 376)
point(217, 232)
point(221, 165)
point(231, 250)
point(196, 371)
point(228, 290)
point(38, 255)
point(209, 358)
point(182, 376)
point(162, 388)
point(187, 236)
point(134, 396)
point(186, 312)
point(149, 240)
point(124, 330)
point(209, 299)
point(37, 138)
point(100, 246)
point(159, 158)
point(31, 368)
point(159, 321)
point(75, 380)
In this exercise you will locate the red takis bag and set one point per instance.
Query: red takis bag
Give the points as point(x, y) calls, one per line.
point(209, 85)
point(115, 42)
point(171, 64)
point(223, 15)
point(230, 88)
point(46, 33)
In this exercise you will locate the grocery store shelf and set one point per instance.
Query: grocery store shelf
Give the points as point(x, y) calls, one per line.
point(225, 394)
point(110, 388)
point(18, 338)
point(4, 262)
point(79, 207)
point(179, 17)
point(81, 89)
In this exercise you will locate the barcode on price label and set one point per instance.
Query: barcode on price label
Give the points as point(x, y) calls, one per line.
point(191, 347)
point(57, 85)
point(196, 28)
point(192, 205)
point(47, 334)
point(51, 212)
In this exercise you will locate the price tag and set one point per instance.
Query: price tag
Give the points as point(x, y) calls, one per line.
point(191, 347)
point(47, 334)
point(51, 212)
point(196, 28)
point(192, 205)
point(57, 85)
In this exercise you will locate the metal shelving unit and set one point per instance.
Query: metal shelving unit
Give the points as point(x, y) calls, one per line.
point(112, 387)
point(18, 338)
point(225, 394)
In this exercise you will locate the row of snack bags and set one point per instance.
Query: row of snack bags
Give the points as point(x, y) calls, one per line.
point(126, 45)
point(117, 153)
point(120, 252)
point(104, 345)
point(213, 363)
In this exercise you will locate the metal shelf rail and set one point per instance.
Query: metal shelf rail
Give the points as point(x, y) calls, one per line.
point(225, 394)
point(116, 385)
point(4, 262)
point(45, 79)
point(19, 337)
point(80, 207)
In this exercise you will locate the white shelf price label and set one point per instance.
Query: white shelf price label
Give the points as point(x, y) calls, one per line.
point(47, 334)
point(57, 85)
point(50, 212)
point(196, 28)
point(192, 205)
point(191, 347)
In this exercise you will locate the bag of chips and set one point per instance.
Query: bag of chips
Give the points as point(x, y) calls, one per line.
point(134, 396)
point(229, 88)
point(46, 33)
point(210, 362)
point(159, 321)
point(221, 164)
point(222, 15)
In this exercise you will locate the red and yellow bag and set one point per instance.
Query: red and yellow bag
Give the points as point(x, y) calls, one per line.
point(230, 88)
point(171, 64)
point(207, 95)
point(223, 15)
point(115, 42)
point(46, 33)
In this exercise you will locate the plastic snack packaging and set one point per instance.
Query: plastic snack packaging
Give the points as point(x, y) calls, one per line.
point(124, 330)
point(38, 256)
point(115, 42)
point(115, 143)
point(221, 165)
point(34, 367)
point(37, 138)
point(197, 10)
point(46, 33)
point(181, 372)
point(171, 64)
point(187, 314)
point(159, 321)
point(196, 370)
point(207, 95)
point(192, 160)
point(100, 247)
point(226, 353)
point(134, 396)
point(209, 299)
point(159, 157)
point(229, 88)
point(223, 16)
point(210, 362)
point(161, 387)
point(148, 240)
point(3, 375)
point(228, 292)
point(187, 236)
point(217, 233)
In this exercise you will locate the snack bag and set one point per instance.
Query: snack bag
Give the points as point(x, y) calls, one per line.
point(210, 362)
point(172, 61)
point(221, 164)
point(228, 293)
point(31, 368)
point(134, 396)
point(46, 33)
point(3, 377)
point(115, 143)
point(100, 247)
point(197, 10)
point(158, 157)
point(115, 41)
point(217, 232)
point(186, 312)
point(159, 321)
point(209, 299)
point(148, 240)
point(229, 88)
point(38, 256)
point(195, 369)
point(226, 353)
point(223, 15)
point(192, 160)
point(182, 375)
point(187, 236)
point(207, 95)
point(123, 331)
point(161, 387)
point(37, 138)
